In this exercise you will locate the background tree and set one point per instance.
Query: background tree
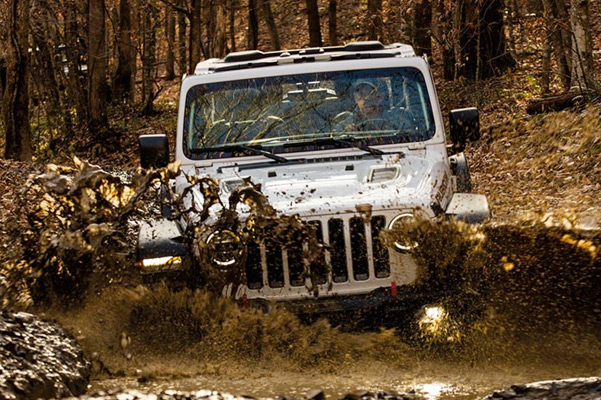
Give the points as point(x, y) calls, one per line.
point(182, 26)
point(149, 23)
point(45, 75)
point(422, 27)
point(475, 44)
point(313, 21)
point(123, 81)
point(68, 67)
point(332, 23)
point(216, 28)
point(253, 25)
point(75, 47)
point(15, 101)
point(582, 44)
point(232, 5)
point(97, 67)
point(271, 25)
point(375, 23)
point(557, 23)
point(170, 43)
point(195, 45)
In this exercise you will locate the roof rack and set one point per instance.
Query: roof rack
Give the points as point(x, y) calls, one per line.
point(239, 56)
point(252, 55)
point(354, 50)
point(364, 46)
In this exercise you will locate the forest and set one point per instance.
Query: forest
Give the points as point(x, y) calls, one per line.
point(510, 299)
point(71, 70)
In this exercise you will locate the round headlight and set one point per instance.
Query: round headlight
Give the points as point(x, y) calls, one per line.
point(402, 243)
point(225, 248)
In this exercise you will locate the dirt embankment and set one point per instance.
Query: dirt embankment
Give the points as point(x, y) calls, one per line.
point(543, 164)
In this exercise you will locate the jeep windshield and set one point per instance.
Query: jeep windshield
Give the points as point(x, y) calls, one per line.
point(304, 112)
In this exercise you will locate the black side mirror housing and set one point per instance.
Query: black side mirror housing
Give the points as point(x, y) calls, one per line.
point(154, 151)
point(465, 125)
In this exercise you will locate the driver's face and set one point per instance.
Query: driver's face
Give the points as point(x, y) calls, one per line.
point(369, 100)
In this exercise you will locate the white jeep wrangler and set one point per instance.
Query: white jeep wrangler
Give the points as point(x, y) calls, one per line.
point(350, 138)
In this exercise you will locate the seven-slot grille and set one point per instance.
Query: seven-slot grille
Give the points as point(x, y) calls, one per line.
point(355, 253)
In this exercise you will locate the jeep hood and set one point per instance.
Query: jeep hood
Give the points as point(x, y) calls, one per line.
point(339, 185)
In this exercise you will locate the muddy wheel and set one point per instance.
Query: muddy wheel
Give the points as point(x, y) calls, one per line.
point(461, 170)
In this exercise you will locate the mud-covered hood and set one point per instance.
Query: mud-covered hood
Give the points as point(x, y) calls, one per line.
point(324, 186)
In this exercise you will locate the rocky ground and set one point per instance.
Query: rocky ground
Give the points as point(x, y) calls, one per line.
point(209, 395)
point(574, 389)
point(39, 359)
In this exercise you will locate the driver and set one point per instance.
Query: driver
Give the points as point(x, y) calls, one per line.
point(370, 111)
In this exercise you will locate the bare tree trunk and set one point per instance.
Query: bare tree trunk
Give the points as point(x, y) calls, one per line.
point(195, 46)
point(313, 21)
point(563, 47)
point(510, 28)
point(216, 17)
point(422, 42)
point(45, 74)
point(547, 49)
point(209, 15)
point(149, 11)
point(182, 26)
point(136, 47)
point(2, 78)
point(76, 80)
point(375, 28)
point(492, 44)
point(170, 36)
point(582, 44)
point(253, 25)
point(232, 24)
point(15, 104)
point(122, 83)
point(457, 28)
point(221, 29)
point(480, 48)
point(407, 25)
point(332, 23)
point(271, 26)
point(439, 31)
point(97, 64)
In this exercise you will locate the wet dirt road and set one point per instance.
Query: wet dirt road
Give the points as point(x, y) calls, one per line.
point(431, 380)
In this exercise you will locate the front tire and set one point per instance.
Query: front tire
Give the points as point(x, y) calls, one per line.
point(461, 170)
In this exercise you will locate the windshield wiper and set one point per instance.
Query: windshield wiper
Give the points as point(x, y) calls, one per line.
point(241, 147)
point(341, 140)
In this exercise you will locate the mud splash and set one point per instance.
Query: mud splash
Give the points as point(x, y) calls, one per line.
point(524, 307)
point(521, 302)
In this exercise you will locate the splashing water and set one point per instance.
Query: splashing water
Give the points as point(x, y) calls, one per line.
point(522, 302)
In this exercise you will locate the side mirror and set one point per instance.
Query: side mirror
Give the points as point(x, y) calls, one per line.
point(465, 125)
point(154, 151)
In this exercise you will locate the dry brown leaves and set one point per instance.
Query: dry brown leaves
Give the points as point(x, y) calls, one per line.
point(545, 164)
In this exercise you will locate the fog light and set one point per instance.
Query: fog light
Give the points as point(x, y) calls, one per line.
point(433, 315)
point(225, 248)
point(152, 264)
point(402, 244)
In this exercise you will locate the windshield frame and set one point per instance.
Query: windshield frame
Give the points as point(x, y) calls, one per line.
point(183, 153)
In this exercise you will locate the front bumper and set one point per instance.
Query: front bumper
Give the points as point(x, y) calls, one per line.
point(380, 304)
